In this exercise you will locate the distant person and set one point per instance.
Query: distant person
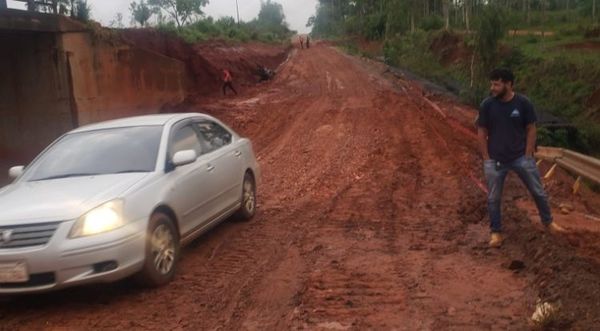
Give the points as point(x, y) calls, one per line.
point(307, 41)
point(301, 42)
point(507, 135)
point(228, 82)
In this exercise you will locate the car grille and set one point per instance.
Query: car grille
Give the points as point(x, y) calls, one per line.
point(18, 236)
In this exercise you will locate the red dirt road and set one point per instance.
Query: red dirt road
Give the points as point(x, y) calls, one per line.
point(371, 217)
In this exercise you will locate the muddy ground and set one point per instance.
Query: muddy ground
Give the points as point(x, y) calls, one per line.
point(371, 216)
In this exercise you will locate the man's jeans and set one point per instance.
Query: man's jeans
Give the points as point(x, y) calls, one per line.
point(526, 169)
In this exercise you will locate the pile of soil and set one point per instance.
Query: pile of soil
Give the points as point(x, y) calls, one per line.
point(371, 47)
point(242, 59)
point(450, 48)
point(592, 33)
point(593, 105)
point(584, 45)
point(206, 60)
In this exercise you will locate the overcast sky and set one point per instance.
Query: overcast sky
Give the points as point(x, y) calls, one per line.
point(297, 12)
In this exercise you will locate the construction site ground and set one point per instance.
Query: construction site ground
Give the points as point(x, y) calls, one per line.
point(372, 215)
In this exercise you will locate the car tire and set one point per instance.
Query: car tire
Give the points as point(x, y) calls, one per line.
point(248, 201)
point(161, 252)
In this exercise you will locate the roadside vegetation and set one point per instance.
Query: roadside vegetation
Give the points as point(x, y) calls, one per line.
point(183, 18)
point(553, 46)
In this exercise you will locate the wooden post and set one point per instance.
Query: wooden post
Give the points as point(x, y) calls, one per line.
point(550, 172)
point(577, 185)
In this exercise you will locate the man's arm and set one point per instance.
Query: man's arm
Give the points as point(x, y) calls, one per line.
point(482, 137)
point(531, 138)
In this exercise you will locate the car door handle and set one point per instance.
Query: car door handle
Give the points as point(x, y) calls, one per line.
point(237, 153)
point(210, 167)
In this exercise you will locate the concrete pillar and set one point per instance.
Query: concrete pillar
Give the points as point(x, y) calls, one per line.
point(3, 4)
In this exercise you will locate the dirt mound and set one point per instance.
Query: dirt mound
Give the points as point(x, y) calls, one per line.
point(372, 216)
point(592, 32)
point(450, 48)
point(371, 47)
point(204, 77)
point(241, 59)
point(206, 60)
point(594, 99)
point(584, 45)
point(593, 106)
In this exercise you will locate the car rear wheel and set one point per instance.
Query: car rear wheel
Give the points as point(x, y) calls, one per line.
point(162, 252)
point(248, 201)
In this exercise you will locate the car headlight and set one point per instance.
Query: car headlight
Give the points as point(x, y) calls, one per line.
point(104, 218)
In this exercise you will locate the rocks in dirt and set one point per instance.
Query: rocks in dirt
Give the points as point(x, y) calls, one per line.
point(538, 254)
point(451, 311)
point(566, 208)
point(516, 265)
point(545, 314)
point(416, 247)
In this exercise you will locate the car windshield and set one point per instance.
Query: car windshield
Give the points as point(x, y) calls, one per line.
point(101, 152)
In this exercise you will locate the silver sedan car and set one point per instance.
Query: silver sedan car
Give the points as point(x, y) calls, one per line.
point(119, 198)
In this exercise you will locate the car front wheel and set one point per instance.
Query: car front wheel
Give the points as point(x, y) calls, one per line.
point(248, 201)
point(162, 251)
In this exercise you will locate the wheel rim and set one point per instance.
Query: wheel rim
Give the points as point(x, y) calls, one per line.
point(163, 249)
point(249, 198)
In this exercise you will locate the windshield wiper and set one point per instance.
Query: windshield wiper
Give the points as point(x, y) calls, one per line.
point(65, 176)
point(130, 171)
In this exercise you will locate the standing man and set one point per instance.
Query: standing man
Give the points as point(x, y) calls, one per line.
point(228, 82)
point(301, 42)
point(507, 134)
point(307, 41)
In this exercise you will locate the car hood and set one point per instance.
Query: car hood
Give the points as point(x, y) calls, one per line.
point(60, 199)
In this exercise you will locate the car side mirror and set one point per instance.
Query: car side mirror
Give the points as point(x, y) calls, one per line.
point(182, 158)
point(15, 172)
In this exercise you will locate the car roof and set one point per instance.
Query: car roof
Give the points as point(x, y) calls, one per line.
point(145, 120)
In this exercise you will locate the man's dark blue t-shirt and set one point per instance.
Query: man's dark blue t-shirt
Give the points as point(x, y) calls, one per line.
point(506, 123)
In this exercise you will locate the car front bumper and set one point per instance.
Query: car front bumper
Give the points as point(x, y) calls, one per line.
point(65, 262)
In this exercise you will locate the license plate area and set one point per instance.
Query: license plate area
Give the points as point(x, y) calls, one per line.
point(13, 272)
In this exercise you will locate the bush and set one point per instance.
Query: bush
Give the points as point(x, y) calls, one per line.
point(226, 28)
point(432, 23)
point(375, 27)
point(514, 59)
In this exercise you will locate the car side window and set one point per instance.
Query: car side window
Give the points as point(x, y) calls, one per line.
point(213, 135)
point(185, 138)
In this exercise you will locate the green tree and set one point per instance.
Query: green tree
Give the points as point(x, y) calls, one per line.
point(491, 28)
point(117, 22)
point(271, 21)
point(81, 10)
point(271, 14)
point(181, 11)
point(140, 12)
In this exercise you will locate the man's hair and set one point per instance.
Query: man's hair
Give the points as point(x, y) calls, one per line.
point(503, 74)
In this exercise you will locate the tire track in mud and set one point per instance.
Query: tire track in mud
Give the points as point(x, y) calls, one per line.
point(367, 220)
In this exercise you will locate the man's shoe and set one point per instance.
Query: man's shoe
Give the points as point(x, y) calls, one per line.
point(556, 229)
point(496, 240)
